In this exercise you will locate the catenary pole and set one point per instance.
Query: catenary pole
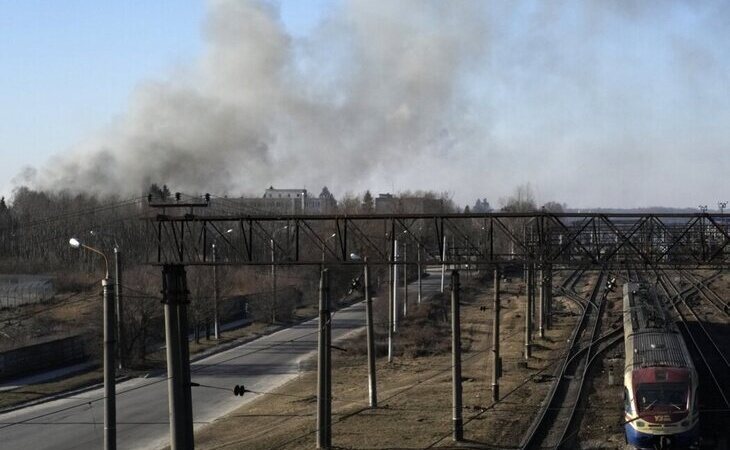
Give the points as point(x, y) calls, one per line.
point(496, 360)
point(395, 285)
point(528, 309)
point(391, 267)
point(372, 383)
point(174, 291)
point(405, 280)
point(420, 285)
point(443, 264)
point(121, 338)
point(323, 366)
point(216, 295)
point(456, 392)
point(110, 408)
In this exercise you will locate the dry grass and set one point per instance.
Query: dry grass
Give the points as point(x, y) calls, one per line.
point(414, 391)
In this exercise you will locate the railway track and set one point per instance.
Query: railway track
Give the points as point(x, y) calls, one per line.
point(709, 356)
point(706, 292)
point(551, 425)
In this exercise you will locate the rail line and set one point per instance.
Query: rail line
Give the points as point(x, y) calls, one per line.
point(714, 362)
point(706, 292)
point(550, 426)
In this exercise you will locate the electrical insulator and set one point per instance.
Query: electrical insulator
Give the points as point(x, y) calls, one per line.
point(238, 391)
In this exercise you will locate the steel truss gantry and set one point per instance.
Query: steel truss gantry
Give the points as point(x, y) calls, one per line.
point(590, 240)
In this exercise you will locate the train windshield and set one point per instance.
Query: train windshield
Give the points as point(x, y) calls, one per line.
point(662, 397)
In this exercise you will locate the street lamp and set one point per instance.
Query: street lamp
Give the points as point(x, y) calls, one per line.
point(110, 410)
point(119, 306)
point(273, 273)
point(216, 292)
point(324, 243)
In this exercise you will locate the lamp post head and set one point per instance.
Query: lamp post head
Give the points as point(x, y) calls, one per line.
point(75, 243)
point(230, 230)
point(355, 257)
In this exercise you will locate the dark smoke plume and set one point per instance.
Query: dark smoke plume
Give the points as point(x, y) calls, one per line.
point(375, 85)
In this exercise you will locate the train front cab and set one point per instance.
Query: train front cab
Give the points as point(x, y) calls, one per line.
point(661, 409)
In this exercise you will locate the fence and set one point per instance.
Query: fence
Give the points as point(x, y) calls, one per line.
point(16, 290)
point(44, 356)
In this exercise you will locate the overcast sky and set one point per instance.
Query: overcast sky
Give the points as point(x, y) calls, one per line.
point(614, 104)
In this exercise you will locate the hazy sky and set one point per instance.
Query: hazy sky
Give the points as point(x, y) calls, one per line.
point(620, 103)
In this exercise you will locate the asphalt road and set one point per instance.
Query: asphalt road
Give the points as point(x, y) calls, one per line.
point(142, 414)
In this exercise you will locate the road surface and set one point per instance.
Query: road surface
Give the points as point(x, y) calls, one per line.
point(142, 413)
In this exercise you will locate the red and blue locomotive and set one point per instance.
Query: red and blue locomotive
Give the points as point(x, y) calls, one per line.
point(660, 380)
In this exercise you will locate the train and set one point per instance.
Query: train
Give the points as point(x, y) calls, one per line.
point(660, 380)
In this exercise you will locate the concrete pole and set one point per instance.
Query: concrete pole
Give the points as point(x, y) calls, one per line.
point(390, 310)
point(458, 421)
point(496, 360)
point(273, 284)
point(549, 295)
point(405, 280)
point(528, 310)
point(121, 338)
point(541, 317)
point(324, 437)
point(110, 404)
point(183, 329)
point(443, 266)
point(453, 253)
point(174, 291)
point(216, 294)
point(533, 270)
point(372, 383)
point(420, 269)
point(395, 286)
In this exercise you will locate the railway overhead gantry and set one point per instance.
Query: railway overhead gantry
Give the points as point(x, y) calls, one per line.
point(561, 240)
point(539, 242)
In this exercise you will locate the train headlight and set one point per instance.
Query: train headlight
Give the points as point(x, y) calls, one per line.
point(640, 424)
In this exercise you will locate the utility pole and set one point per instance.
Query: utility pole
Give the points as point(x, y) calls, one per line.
point(420, 269)
point(549, 295)
point(324, 383)
point(372, 383)
point(458, 421)
point(541, 312)
point(121, 338)
point(395, 286)
point(216, 295)
point(405, 279)
point(443, 263)
point(528, 309)
point(390, 308)
point(110, 404)
point(273, 283)
point(496, 360)
point(175, 299)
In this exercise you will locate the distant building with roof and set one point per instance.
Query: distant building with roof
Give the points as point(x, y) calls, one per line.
point(285, 201)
